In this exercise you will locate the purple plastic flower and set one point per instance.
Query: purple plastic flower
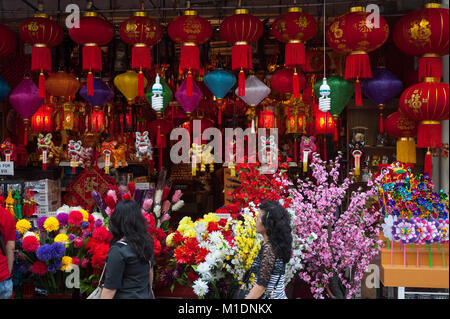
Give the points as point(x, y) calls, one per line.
point(85, 234)
point(72, 237)
point(84, 225)
point(44, 252)
point(405, 230)
point(18, 236)
point(54, 267)
point(62, 219)
point(98, 223)
point(40, 223)
point(57, 250)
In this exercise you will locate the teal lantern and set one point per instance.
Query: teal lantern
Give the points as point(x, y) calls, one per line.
point(159, 95)
point(4, 89)
point(341, 93)
point(219, 82)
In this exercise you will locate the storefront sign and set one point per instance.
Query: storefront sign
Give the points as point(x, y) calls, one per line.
point(7, 168)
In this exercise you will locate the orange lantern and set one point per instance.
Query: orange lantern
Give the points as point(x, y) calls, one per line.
point(42, 121)
point(62, 85)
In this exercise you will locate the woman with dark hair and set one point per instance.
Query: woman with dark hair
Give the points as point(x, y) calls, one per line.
point(129, 265)
point(269, 267)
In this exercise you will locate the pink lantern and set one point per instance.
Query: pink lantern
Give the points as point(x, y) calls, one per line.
point(26, 101)
point(189, 103)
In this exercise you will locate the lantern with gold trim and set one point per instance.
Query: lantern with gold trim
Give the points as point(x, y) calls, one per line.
point(190, 31)
point(92, 33)
point(355, 34)
point(142, 32)
point(425, 33)
point(127, 83)
point(294, 28)
point(240, 30)
point(42, 120)
point(42, 33)
point(404, 129)
point(428, 104)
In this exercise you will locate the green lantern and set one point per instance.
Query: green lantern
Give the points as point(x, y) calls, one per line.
point(341, 93)
point(159, 95)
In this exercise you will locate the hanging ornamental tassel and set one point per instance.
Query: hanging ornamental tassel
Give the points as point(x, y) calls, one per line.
point(159, 143)
point(429, 65)
point(42, 92)
point(406, 150)
point(92, 60)
point(241, 83)
point(189, 83)
point(429, 134)
point(428, 163)
point(381, 108)
point(357, 65)
point(296, 84)
point(219, 116)
point(44, 159)
point(358, 96)
point(141, 84)
point(295, 53)
point(190, 57)
point(90, 84)
point(141, 57)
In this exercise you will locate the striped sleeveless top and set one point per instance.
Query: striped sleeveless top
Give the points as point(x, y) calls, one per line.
point(268, 270)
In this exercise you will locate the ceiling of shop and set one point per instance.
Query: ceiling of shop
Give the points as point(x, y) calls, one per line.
point(12, 12)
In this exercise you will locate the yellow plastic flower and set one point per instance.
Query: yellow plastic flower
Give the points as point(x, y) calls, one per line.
point(62, 238)
point(23, 226)
point(211, 217)
point(51, 224)
point(66, 262)
point(85, 215)
point(169, 240)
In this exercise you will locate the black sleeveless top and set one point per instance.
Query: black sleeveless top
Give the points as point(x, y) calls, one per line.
point(126, 273)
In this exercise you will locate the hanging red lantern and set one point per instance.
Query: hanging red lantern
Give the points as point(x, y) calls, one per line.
point(324, 122)
point(42, 33)
point(267, 118)
point(42, 120)
point(92, 33)
point(355, 34)
point(190, 30)
point(97, 121)
point(284, 81)
point(427, 103)
point(142, 32)
point(240, 30)
point(404, 129)
point(8, 40)
point(425, 33)
point(294, 28)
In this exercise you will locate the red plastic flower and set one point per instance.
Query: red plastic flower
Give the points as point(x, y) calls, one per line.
point(39, 268)
point(201, 255)
point(192, 276)
point(30, 244)
point(76, 261)
point(213, 226)
point(102, 234)
point(78, 242)
point(75, 217)
point(156, 246)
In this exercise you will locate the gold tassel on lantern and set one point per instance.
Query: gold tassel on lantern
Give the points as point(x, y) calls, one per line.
point(406, 150)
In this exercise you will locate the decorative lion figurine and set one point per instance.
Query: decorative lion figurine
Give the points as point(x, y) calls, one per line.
point(45, 144)
point(143, 146)
point(307, 148)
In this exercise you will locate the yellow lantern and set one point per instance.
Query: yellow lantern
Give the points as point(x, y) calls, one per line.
point(127, 84)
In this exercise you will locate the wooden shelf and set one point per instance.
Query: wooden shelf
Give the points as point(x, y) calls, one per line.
point(374, 147)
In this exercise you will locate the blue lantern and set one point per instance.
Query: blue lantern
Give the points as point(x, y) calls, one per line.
point(4, 88)
point(219, 82)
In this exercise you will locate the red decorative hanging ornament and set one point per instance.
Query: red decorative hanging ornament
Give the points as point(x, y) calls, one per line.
point(294, 28)
point(42, 33)
point(240, 30)
point(357, 33)
point(404, 129)
point(92, 33)
point(142, 32)
point(42, 120)
point(428, 104)
point(425, 33)
point(190, 31)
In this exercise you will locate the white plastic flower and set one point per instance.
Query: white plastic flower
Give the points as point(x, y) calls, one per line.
point(200, 287)
point(387, 226)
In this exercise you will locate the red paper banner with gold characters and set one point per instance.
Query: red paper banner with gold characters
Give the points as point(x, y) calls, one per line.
point(79, 192)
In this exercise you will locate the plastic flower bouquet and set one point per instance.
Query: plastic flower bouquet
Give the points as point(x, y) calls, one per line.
point(49, 250)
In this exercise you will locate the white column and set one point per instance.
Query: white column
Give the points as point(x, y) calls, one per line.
point(444, 162)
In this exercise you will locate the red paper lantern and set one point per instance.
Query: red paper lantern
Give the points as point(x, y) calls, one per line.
point(427, 103)
point(42, 120)
point(97, 121)
point(404, 129)
point(7, 40)
point(354, 34)
point(42, 33)
point(240, 30)
point(425, 33)
point(294, 28)
point(267, 119)
point(283, 81)
point(324, 122)
point(190, 31)
point(142, 33)
point(92, 33)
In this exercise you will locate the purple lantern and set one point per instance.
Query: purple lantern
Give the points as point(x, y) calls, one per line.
point(26, 101)
point(102, 94)
point(189, 103)
point(381, 88)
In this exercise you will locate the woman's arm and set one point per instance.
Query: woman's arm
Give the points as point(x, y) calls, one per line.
point(108, 293)
point(151, 281)
point(256, 292)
